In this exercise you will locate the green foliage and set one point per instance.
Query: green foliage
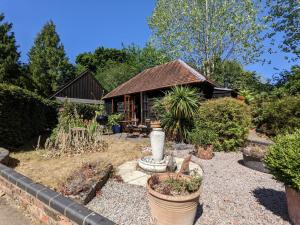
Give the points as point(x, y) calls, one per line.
point(114, 119)
point(177, 185)
point(275, 116)
point(77, 115)
point(100, 57)
point(113, 67)
point(283, 159)
point(288, 82)
point(202, 136)
point(48, 63)
point(23, 115)
point(248, 95)
point(228, 118)
point(85, 111)
point(231, 74)
point(200, 31)
point(176, 112)
point(283, 17)
point(9, 55)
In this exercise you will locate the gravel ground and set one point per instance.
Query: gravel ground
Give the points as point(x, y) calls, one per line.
point(232, 194)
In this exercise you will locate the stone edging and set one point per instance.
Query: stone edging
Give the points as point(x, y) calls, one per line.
point(4, 155)
point(64, 206)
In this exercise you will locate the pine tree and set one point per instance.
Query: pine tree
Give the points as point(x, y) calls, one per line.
point(9, 55)
point(48, 62)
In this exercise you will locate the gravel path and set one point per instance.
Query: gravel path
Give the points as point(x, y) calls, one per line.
point(232, 194)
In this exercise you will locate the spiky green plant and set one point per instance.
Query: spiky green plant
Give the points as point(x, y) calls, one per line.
point(176, 111)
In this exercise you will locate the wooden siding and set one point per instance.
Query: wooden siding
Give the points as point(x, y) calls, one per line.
point(83, 87)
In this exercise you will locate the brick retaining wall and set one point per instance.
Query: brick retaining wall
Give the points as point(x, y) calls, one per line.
point(46, 205)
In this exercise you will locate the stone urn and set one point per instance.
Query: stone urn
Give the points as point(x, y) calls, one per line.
point(293, 202)
point(172, 210)
point(157, 139)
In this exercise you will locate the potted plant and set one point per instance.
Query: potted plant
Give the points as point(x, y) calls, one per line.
point(203, 139)
point(253, 157)
point(283, 161)
point(114, 122)
point(173, 197)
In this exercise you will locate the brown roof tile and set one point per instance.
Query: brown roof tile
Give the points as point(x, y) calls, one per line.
point(167, 75)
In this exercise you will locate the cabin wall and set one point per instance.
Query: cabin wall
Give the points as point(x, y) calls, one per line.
point(85, 87)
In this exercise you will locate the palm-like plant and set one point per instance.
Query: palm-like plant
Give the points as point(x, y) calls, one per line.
point(176, 111)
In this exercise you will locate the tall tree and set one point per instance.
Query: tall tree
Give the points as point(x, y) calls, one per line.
point(9, 55)
point(232, 74)
point(48, 62)
point(284, 17)
point(200, 30)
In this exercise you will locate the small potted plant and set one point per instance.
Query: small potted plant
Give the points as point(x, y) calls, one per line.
point(283, 161)
point(174, 197)
point(114, 122)
point(203, 139)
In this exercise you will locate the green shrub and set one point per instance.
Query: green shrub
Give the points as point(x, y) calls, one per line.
point(202, 137)
point(114, 119)
point(176, 112)
point(283, 159)
point(228, 118)
point(23, 115)
point(85, 111)
point(276, 116)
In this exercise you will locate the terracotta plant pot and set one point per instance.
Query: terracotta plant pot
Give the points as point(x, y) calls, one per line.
point(155, 124)
point(293, 202)
point(172, 210)
point(205, 153)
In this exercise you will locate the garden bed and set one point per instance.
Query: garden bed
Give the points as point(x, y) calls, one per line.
point(54, 171)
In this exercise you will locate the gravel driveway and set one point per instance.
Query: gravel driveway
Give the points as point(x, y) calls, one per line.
point(232, 194)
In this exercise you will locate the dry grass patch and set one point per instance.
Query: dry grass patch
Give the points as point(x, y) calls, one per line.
point(54, 171)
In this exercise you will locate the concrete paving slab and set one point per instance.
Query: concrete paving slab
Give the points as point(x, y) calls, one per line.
point(10, 215)
point(131, 175)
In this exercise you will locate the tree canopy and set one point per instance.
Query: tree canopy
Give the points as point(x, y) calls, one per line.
point(9, 55)
point(48, 63)
point(284, 18)
point(200, 30)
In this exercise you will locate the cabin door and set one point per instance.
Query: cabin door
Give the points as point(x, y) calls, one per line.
point(129, 108)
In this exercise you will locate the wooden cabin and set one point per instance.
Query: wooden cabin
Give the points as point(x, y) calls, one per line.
point(135, 98)
point(84, 88)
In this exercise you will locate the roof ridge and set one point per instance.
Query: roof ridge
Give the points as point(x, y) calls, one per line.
point(192, 70)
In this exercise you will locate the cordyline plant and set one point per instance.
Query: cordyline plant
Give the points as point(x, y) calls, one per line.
point(283, 159)
point(176, 111)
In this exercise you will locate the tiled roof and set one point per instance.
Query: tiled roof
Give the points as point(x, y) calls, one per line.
point(167, 75)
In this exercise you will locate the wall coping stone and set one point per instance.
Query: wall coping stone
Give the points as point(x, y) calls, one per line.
point(63, 205)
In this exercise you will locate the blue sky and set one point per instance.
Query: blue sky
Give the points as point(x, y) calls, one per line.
point(85, 25)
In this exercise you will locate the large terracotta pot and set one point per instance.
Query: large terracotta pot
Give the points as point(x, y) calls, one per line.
point(157, 139)
point(293, 201)
point(172, 210)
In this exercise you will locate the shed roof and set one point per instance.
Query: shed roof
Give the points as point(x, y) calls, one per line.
point(169, 74)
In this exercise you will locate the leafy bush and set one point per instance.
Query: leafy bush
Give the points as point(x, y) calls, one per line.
point(202, 137)
point(274, 116)
point(85, 111)
point(228, 118)
point(23, 115)
point(176, 112)
point(114, 119)
point(283, 159)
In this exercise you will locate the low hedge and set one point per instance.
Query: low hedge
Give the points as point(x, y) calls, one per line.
point(85, 111)
point(228, 118)
point(23, 115)
point(283, 159)
point(276, 116)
